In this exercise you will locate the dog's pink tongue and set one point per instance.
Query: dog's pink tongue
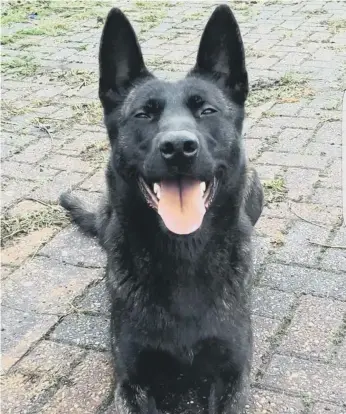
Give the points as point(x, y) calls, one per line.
point(181, 205)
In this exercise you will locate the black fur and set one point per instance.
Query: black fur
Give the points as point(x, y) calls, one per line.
point(180, 325)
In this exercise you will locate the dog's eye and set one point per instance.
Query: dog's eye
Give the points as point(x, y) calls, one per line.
point(142, 115)
point(208, 111)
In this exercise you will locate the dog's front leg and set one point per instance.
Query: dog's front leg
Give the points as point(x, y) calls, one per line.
point(131, 399)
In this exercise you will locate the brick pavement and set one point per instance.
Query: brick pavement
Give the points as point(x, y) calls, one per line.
point(55, 351)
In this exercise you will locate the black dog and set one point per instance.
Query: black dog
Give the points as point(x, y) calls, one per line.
point(176, 224)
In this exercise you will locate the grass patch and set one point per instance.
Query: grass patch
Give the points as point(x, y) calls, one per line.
point(75, 77)
point(148, 14)
point(167, 37)
point(96, 153)
point(340, 334)
point(193, 16)
point(159, 63)
point(274, 190)
point(332, 105)
point(145, 5)
point(253, 53)
point(9, 110)
point(20, 67)
point(88, 113)
point(53, 17)
point(307, 400)
point(14, 227)
point(151, 19)
point(289, 89)
point(49, 28)
point(336, 26)
point(315, 12)
point(18, 11)
point(82, 47)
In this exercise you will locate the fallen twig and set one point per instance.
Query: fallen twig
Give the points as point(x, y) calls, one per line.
point(328, 246)
point(40, 201)
point(304, 219)
point(46, 130)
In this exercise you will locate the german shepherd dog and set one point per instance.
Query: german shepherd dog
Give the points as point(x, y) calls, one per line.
point(176, 224)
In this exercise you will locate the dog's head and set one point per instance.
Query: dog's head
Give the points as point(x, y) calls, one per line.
point(178, 143)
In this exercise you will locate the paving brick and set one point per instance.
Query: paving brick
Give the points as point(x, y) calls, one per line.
point(297, 247)
point(5, 271)
point(331, 177)
point(87, 392)
point(15, 254)
point(340, 235)
point(286, 109)
point(253, 147)
point(23, 393)
point(334, 259)
point(26, 207)
point(268, 402)
point(4, 182)
point(82, 141)
point(35, 151)
point(67, 163)
point(271, 226)
point(271, 303)
point(49, 91)
point(261, 248)
point(319, 381)
point(50, 358)
point(327, 197)
point(292, 160)
point(277, 210)
point(293, 59)
point(7, 151)
point(96, 299)
point(327, 100)
point(313, 329)
point(15, 191)
point(292, 140)
point(51, 190)
point(292, 122)
point(20, 330)
point(340, 350)
point(262, 132)
point(325, 408)
point(323, 150)
point(296, 279)
point(264, 330)
point(268, 172)
point(27, 171)
point(96, 182)
point(46, 285)
point(71, 246)
point(327, 216)
point(300, 183)
point(83, 330)
point(329, 133)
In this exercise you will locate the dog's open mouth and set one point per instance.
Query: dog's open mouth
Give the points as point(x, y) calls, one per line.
point(181, 202)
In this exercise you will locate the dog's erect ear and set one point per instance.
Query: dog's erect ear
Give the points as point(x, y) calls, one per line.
point(121, 61)
point(221, 53)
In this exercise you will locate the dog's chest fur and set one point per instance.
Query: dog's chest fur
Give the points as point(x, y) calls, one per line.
point(181, 298)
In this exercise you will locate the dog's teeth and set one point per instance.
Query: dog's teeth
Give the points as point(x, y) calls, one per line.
point(157, 190)
point(203, 187)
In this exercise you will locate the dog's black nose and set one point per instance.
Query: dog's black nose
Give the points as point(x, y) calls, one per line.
point(179, 146)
